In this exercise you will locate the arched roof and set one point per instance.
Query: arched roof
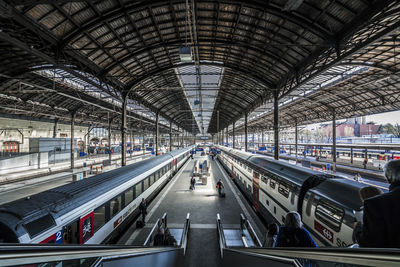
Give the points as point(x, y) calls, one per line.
point(264, 46)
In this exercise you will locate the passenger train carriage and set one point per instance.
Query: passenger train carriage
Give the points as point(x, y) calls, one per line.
point(89, 211)
point(326, 203)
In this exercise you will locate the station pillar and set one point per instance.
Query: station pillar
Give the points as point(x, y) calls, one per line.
point(233, 135)
point(334, 139)
point(227, 137)
point(170, 136)
point(245, 133)
point(109, 139)
point(262, 137)
point(55, 128)
point(276, 126)
point(218, 127)
point(73, 113)
point(124, 130)
point(295, 138)
point(156, 136)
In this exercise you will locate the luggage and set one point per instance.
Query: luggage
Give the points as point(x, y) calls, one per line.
point(139, 224)
point(190, 187)
point(223, 194)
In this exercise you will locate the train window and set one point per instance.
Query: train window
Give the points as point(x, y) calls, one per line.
point(283, 189)
point(138, 189)
point(264, 179)
point(267, 202)
point(129, 196)
point(99, 217)
point(115, 206)
point(157, 175)
point(274, 210)
point(152, 178)
point(145, 184)
point(39, 225)
point(272, 183)
point(330, 214)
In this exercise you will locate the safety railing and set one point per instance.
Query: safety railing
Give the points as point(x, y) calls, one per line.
point(318, 256)
point(82, 255)
point(246, 225)
point(185, 234)
point(221, 236)
point(160, 223)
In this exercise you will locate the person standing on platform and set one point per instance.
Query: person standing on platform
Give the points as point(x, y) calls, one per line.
point(220, 186)
point(193, 183)
point(143, 209)
point(382, 213)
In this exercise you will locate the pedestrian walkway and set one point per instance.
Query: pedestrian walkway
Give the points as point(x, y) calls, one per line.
point(203, 204)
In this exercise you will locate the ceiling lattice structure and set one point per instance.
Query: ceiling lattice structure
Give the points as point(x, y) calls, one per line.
point(264, 47)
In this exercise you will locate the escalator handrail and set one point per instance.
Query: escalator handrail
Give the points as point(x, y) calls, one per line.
point(185, 233)
point(150, 236)
point(40, 253)
point(221, 235)
point(356, 256)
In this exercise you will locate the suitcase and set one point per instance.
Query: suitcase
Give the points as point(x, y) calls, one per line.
point(139, 224)
point(223, 194)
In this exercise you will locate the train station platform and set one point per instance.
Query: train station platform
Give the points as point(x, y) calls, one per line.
point(33, 183)
point(203, 204)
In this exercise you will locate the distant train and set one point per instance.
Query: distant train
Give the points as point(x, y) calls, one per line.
point(89, 211)
point(324, 152)
point(327, 203)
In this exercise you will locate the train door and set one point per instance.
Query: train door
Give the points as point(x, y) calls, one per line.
point(70, 233)
point(86, 227)
point(256, 188)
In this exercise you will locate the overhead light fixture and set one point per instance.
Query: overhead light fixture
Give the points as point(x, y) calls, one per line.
point(185, 54)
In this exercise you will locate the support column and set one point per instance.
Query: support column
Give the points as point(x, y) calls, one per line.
point(170, 136)
point(109, 140)
point(218, 127)
point(295, 138)
point(73, 113)
point(132, 142)
point(245, 133)
point(276, 127)
point(143, 147)
point(233, 135)
point(88, 140)
point(157, 137)
point(334, 139)
point(55, 128)
point(254, 140)
point(183, 135)
point(227, 137)
point(262, 137)
point(123, 130)
point(351, 155)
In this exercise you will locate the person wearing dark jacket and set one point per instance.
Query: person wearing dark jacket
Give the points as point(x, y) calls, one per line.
point(382, 213)
point(292, 234)
point(143, 209)
point(159, 238)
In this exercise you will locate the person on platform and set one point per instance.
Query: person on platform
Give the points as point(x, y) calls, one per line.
point(272, 234)
point(382, 213)
point(143, 209)
point(292, 234)
point(159, 237)
point(365, 193)
point(220, 186)
point(192, 183)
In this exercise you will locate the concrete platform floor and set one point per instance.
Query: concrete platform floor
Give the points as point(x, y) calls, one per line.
point(203, 204)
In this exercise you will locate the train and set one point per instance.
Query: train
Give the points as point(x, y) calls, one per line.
point(326, 152)
point(91, 211)
point(328, 204)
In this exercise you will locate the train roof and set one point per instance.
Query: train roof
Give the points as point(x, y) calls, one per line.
point(295, 174)
point(65, 198)
point(341, 191)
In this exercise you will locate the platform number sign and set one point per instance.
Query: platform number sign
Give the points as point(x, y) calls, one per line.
point(86, 227)
point(59, 237)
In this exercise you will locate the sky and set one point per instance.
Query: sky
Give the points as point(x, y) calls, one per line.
point(383, 118)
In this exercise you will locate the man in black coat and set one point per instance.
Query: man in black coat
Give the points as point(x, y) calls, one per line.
point(382, 213)
point(143, 209)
